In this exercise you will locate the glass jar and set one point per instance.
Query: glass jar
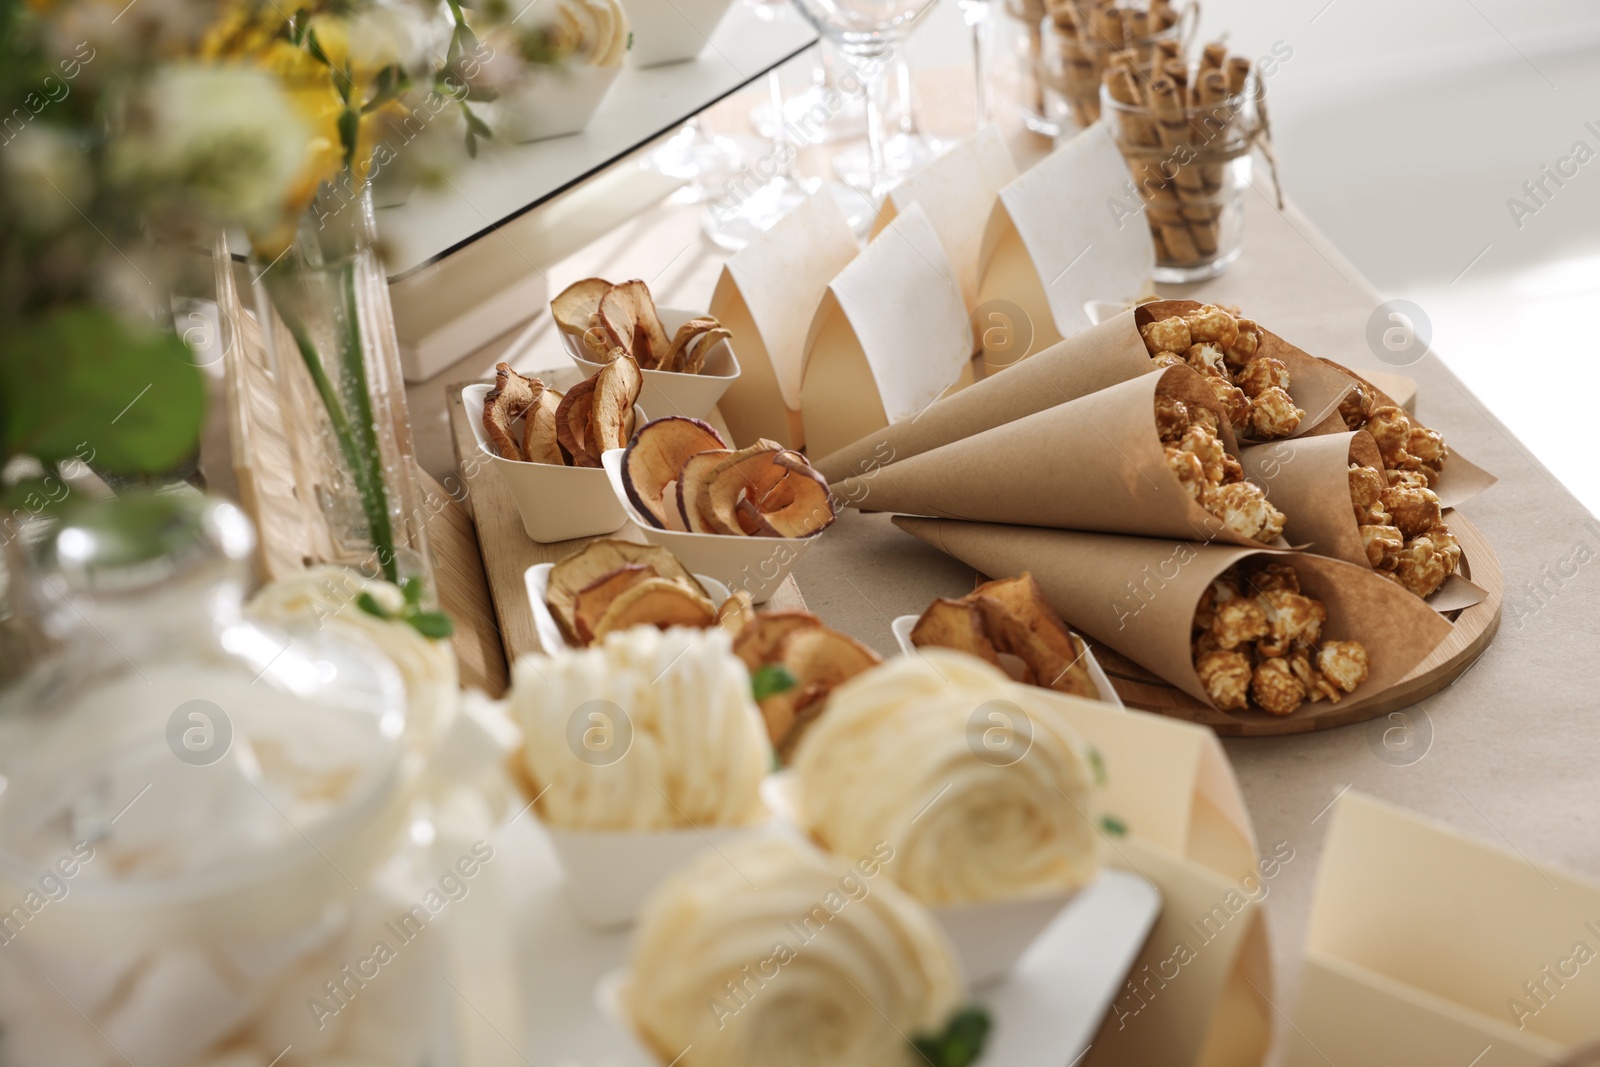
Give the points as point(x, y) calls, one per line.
point(1191, 166)
point(195, 811)
point(1022, 71)
point(1072, 62)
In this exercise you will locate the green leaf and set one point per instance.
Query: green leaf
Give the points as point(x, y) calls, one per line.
point(349, 129)
point(369, 604)
point(1113, 826)
point(432, 624)
point(962, 1041)
point(1099, 766)
point(770, 680)
point(82, 382)
point(413, 589)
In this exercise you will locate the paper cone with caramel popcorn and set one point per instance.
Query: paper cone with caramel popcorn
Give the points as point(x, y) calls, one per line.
point(1309, 480)
point(1138, 596)
point(1457, 478)
point(1097, 463)
point(1101, 356)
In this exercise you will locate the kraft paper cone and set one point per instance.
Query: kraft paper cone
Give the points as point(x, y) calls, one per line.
point(1461, 479)
point(1138, 595)
point(890, 335)
point(958, 191)
point(1316, 387)
point(1479, 951)
point(1308, 479)
point(1099, 357)
point(767, 294)
point(1094, 464)
point(1051, 243)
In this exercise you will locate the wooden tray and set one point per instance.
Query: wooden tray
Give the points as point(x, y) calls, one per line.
point(1475, 627)
point(508, 551)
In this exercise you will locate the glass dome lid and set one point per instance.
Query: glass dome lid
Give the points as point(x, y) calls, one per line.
point(176, 748)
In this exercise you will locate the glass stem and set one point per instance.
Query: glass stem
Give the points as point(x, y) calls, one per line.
point(780, 127)
point(876, 78)
point(902, 82)
point(978, 19)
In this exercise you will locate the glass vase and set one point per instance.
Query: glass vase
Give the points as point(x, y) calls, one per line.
point(330, 338)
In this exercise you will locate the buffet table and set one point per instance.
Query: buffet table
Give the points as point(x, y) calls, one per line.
point(1480, 756)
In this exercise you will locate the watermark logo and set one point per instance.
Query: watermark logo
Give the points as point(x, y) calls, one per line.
point(999, 733)
point(1399, 333)
point(1401, 738)
point(1004, 332)
point(199, 733)
point(599, 732)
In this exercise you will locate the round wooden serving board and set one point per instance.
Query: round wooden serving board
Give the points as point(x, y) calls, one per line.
point(1475, 627)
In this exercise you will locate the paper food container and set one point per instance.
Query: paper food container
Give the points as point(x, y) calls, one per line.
point(551, 102)
point(556, 503)
point(992, 936)
point(1096, 463)
point(670, 392)
point(904, 624)
point(672, 32)
point(757, 565)
point(551, 639)
point(1308, 478)
point(610, 873)
point(1137, 595)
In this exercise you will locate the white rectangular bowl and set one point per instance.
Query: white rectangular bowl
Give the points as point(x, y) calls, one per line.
point(672, 392)
point(903, 625)
point(551, 102)
point(556, 503)
point(671, 31)
point(756, 565)
point(551, 639)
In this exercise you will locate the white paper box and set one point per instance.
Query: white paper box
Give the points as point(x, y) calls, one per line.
point(904, 624)
point(670, 392)
point(551, 102)
point(992, 936)
point(556, 503)
point(551, 639)
point(756, 565)
point(671, 31)
point(611, 872)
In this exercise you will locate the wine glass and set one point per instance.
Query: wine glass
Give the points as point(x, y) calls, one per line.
point(976, 14)
point(868, 33)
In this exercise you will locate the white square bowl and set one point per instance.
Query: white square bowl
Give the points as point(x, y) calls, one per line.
point(551, 101)
point(673, 392)
point(903, 625)
point(556, 503)
point(551, 639)
point(671, 32)
point(757, 565)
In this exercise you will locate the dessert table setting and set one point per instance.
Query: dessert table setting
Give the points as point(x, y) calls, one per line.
point(668, 534)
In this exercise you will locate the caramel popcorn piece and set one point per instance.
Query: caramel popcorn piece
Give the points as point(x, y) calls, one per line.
point(1243, 508)
point(1317, 687)
point(1355, 408)
point(1234, 403)
point(1275, 576)
point(1246, 345)
point(1221, 590)
point(1427, 445)
point(1167, 335)
point(1226, 677)
point(1415, 511)
point(1343, 664)
point(1207, 360)
point(1211, 323)
point(1366, 487)
point(1172, 418)
point(1391, 428)
point(1410, 479)
point(1262, 374)
point(1421, 567)
point(1163, 360)
point(1232, 470)
point(1383, 545)
point(1291, 619)
point(1239, 621)
point(1186, 465)
point(1207, 448)
point(1445, 543)
point(1275, 688)
point(1274, 413)
point(1203, 416)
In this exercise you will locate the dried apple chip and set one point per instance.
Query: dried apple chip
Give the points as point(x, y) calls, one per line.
point(616, 390)
point(628, 315)
point(539, 441)
point(956, 624)
point(594, 598)
point(576, 311)
point(572, 423)
point(598, 559)
point(657, 602)
point(656, 457)
point(503, 405)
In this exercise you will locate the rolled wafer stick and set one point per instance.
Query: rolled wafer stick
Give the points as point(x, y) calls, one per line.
point(1162, 16)
point(1135, 25)
point(1211, 120)
point(1213, 56)
point(1238, 71)
point(1106, 25)
point(1178, 71)
point(1136, 126)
